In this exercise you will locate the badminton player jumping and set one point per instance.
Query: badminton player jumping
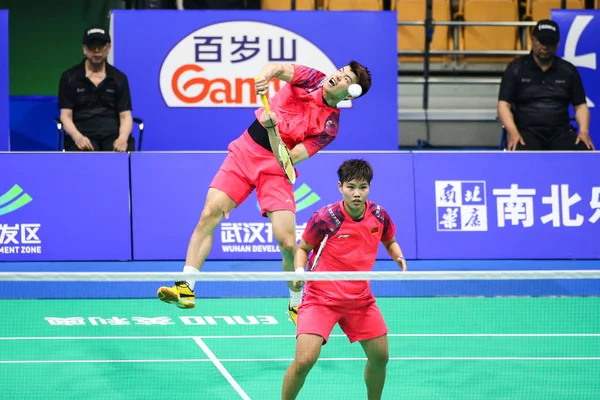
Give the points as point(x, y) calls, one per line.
point(352, 230)
point(306, 115)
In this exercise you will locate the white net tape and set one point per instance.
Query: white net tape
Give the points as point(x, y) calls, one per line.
point(296, 276)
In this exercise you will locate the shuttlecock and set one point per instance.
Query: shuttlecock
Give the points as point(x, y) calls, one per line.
point(354, 90)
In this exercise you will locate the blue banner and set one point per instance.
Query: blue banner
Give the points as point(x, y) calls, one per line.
point(191, 73)
point(507, 205)
point(579, 32)
point(64, 207)
point(482, 205)
point(4, 83)
point(168, 193)
point(32, 126)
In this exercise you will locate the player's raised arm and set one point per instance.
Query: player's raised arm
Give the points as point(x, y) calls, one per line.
point(285, 72)
point(395, 252)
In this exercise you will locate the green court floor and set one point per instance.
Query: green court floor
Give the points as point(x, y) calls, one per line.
point(440, 348)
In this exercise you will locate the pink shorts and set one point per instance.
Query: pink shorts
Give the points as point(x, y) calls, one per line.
point(249, 166)
point(360, 321)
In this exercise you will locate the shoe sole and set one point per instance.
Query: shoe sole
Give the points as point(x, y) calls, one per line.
point(167, 296)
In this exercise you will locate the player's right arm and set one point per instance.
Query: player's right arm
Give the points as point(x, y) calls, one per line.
point(285, 72)
point(301, 258)
point(312, 236)
point(294, 74)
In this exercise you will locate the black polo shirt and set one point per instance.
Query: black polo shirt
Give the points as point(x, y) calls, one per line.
point(95, 109)
point(541, 99)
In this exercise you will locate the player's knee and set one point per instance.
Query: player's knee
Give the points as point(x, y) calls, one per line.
point(287, 243)
point(379, 360)
point(305, 362)
point(210, 217)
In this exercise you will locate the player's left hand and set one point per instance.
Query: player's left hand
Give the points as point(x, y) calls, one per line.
point(585, 138)
point(120, 144)
point(261, 86)
point(402, 263)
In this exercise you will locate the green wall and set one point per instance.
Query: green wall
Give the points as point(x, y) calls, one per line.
point(45, 39)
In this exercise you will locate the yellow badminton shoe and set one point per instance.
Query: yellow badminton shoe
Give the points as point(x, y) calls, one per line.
point(179, 294)
point(293, 313)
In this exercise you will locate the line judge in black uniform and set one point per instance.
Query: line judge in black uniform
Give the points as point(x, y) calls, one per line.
point(94, 100)
point(535, 94)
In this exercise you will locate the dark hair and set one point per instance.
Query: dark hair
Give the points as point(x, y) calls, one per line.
point(363, 75)
point(355, 169)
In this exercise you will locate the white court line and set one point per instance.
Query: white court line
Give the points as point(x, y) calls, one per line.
point(242, 393)
point(426, 359)
point(221, 368)
point(293, 336)
point(99, 361)
point(94, 337)
point(423, 335)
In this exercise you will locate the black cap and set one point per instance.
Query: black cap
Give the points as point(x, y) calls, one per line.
point(546, 31)
point(95, 34)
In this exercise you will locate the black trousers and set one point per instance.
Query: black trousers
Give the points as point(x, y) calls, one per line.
point(99, 144)
point(560, 140)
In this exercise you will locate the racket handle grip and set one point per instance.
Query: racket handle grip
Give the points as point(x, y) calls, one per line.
point(265, 101)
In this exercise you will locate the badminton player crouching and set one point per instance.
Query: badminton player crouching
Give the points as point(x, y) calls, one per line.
point(345, 237)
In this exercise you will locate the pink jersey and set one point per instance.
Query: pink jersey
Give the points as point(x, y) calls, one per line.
point(351, 246)
point(303, 115)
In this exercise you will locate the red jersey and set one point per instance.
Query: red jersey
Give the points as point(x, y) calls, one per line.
point(351, 245)
point(303, 115)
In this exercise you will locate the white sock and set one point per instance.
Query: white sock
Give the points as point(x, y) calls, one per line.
point(191, 270)
point(295, 298)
